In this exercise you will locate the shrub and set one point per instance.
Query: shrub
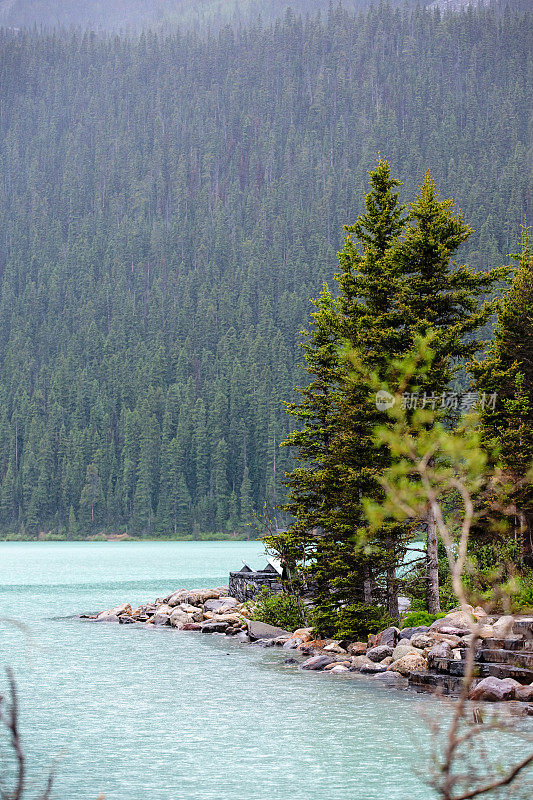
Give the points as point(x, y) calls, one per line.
point(353, 622)
point(417, 618)
point(277, 609)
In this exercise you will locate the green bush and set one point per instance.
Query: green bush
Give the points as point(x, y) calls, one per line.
point(417, 618)
point(281, 610)
point(520, 590)
point(353, 622)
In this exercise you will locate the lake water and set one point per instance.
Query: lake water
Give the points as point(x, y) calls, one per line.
point(157, 714)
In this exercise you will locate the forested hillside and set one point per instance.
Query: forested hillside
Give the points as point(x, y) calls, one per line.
point(137, 14)
point(168, 204)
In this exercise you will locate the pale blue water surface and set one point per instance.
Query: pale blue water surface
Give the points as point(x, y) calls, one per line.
point(140, 714)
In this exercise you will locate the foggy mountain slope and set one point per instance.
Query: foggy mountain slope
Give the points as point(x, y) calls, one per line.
point(136, 14)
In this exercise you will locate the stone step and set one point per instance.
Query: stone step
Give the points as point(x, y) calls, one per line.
point(524, 626)
point(435, 682)
point(484, 669)
point(515, 658)
point(513, 643)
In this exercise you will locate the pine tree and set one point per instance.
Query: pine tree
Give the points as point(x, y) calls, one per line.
point(92, 498)
point(504, 382)
point(246, 499)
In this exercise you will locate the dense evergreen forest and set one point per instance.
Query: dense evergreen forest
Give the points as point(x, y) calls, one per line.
point(138, 14)
point(168, 205)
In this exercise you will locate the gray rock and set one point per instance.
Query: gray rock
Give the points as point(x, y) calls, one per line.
point(494, 689)
point(125, 608)
point(503, 627)
point(177, 597)
point(407, 633)
point(338, 668)
point(389, 636)
point(357, 649)
point(372, 668)
point(439, 655)
point(358, 662)
point(161, 619)
point(454, 625)
point(317, 662)
point(292, 644)
point(450, 630)
point(391, 679)
point(404, 648)
point(260, 630)
point(291, 661)
point(422, 640)
point(524, 694)
point(379, 653)
point(178, 618)
point(125, 619)
point(224, 603)
point(214, 627)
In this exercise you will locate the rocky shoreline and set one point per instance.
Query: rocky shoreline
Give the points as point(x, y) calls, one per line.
point(425, 658)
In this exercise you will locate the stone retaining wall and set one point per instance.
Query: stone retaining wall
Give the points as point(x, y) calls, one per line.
point(245, 585)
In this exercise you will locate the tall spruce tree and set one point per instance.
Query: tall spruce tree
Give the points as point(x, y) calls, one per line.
point(339, 462)
point(439, 296)
point(397, 280)
point(504, 380)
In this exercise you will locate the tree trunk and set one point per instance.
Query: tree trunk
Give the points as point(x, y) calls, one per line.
point(392, 593)
point(367, 586)
point(432, 565)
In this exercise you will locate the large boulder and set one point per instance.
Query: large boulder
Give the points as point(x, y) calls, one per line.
point(214, 627)
point(380, 652)
point(389, 636)
point(304, 634)
point(292, 644)
point(358, 662)
point(335, 647)
point(391, 679)
point(125, 608)
point(178, 618)
point(408, 633)
point(493, 689)
point(446, 626)
point(503, 627)
point(196, 614)
point(177, 597)
point(404, 649)
point(372, 668)
point(412, 662)
point(439, 655)
point(220, 604)
point(162, 615)
point(339, 668)
point(331, 666)
point(524, 693)
point(422, 641)
point(316, 662)
point(260, 630)
point(233, 619)
point(356, 649)
point(487, 632)
point(458, 620)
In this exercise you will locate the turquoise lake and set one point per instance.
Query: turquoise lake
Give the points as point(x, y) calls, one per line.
point(141, 714)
